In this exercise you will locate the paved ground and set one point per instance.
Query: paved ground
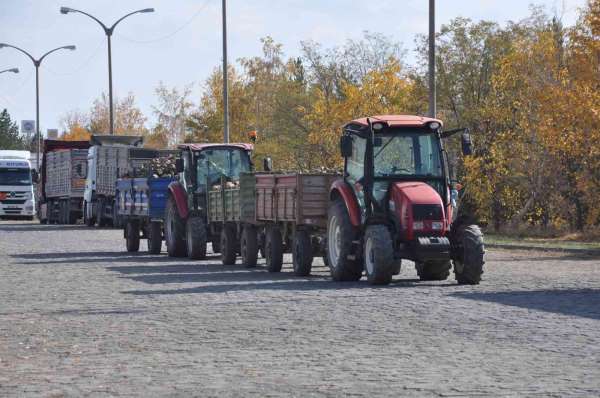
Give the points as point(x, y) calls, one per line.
point(80, 317)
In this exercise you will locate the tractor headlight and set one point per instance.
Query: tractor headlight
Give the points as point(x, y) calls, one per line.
point(418, 225)
point(434, 125)
point(437, 225)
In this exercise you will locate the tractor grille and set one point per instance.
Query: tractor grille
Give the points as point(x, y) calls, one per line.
point(427, 212)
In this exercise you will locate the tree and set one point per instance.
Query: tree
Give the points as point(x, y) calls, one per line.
point(9, 133)
point(173, 111)
point(129, 119)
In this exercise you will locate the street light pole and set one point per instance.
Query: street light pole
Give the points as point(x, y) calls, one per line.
point(432, 89)
point(37, 63)
point(108, 31)
point(225, 78)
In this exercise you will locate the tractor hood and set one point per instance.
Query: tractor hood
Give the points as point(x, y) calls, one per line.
point(419, 209)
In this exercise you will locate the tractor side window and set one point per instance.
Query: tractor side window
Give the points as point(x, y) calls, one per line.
point(356, 163)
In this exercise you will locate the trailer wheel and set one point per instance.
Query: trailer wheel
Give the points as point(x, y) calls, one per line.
point(340, 235)
point(379, 255)
point(174, 230)
point(249, 246)
point(116, 218)
point(228, 245)
point(132, 236)
point(273, 249)
point(468, 265)
point(433, 270)
point(155, 237)
point(195, 233)
point(100, 220)
point(302, 253)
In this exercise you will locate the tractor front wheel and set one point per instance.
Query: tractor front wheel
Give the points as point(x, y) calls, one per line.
point(342, 261)
point(468, 265)
point(433, 270)
point(379, 255)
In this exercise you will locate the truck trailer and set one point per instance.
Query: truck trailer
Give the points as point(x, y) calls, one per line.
point(62, 181)
point(17, 199)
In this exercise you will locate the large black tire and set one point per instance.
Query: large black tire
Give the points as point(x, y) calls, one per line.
point(216, 245)
point(342, 260)
point(249, 246)
point(155, 237)
point(433, 270)
point(468, 265)
point(132, 236)
point(100, 219)
point(228, 244)
point(379, 255)
point(273, 249)
point(174, 230)
point(302, 253)
point(116, 218)
point(89, 222)
point(195, 234)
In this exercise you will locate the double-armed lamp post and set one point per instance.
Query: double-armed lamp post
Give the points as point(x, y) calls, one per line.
point(108, 31)
point(13, 70)
point(37, 63)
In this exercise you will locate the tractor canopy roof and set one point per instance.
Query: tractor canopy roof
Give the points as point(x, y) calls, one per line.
point(200, 147)
point(394, 121)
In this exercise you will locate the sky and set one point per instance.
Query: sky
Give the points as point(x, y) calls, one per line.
point(180, 43)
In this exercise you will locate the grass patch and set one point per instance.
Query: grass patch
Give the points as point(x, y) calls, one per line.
point(552, 243)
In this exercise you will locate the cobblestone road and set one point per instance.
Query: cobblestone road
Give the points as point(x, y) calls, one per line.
point(80, 317)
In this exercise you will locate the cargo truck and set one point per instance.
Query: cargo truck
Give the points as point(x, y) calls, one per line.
point(17, 199)
point(62, 181)
point(110, 158)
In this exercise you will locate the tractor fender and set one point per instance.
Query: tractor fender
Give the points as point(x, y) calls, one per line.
point(177, 191)
point(341, 188)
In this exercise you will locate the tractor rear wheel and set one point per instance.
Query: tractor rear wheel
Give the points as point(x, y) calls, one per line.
point(174, 230)
point(433, 270)
point(274, 249)
point(468, 265)
point(132, 236)
point(155, 237)
point(228, 244)
point(249, 246)
point(302, 253)
point(342, 262)
point(195, 234)
point(379, 255)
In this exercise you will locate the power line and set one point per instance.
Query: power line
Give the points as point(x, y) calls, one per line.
point(168, 36)
point(93, 55)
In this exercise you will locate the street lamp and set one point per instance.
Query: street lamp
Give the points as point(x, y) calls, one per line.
point(108, 31)
point(37, 63)
point(13, 70)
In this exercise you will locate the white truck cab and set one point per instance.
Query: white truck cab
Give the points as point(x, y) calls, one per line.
point(17, 197)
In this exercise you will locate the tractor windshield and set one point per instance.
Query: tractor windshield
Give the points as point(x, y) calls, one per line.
point(407, 154)
point(221, 162)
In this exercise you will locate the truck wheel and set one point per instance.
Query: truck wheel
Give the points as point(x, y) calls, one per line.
point(88, 221)
point(340, 235)
point(273, 249)
point(195, 234)
point(468, 265)
point(249, 246)
point(302, 253)
point(216, 245)
point(174, 230)
point(132, 236)
point(228, 245)
point(379, 255)
point(100, 221)
point(433, 270)
point(155, 237)
point(116, 218)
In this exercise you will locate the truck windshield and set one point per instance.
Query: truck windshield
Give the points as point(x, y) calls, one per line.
point(216, 163)
point(407, 154)
point(9, 176)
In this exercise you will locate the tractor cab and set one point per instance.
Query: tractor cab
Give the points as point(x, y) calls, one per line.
point(394, 202)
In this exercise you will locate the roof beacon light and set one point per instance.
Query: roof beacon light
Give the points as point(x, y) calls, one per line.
point(434, 125)
point(378, 126)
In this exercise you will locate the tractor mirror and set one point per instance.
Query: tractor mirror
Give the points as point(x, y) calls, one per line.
point(346, 146)
point(179, 165)
point(268, 164)
point(467, 144)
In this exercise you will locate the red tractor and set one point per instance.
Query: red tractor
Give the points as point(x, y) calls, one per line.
point(396, 202)
point(200, 168)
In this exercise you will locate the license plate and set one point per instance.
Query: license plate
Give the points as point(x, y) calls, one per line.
point(13, 207)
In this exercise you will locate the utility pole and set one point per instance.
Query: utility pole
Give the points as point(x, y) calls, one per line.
point(432, 90)
point(225, 78)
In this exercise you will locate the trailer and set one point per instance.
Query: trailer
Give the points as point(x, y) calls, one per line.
point(273, 213)
point(141, 203)
point(62, 181)
point(110, 158)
